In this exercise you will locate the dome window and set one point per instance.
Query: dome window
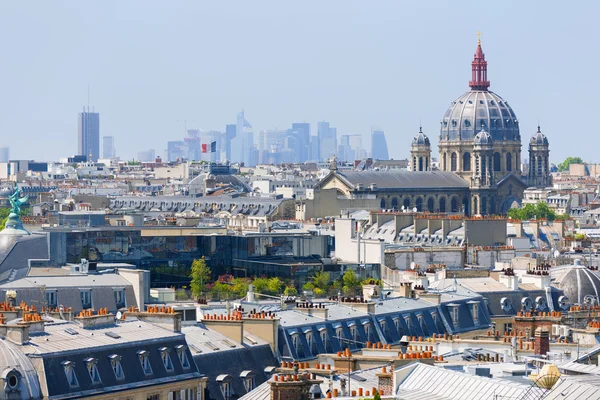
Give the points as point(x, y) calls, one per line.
point(467, 123)
point(12, 380)
point(492, 102)
point(454, 122)
point(460, 101)
point(470, 101)
point(480, 101)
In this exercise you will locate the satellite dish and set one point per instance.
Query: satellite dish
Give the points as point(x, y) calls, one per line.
point(119, 315)
point(415, 209)
point(412, 265)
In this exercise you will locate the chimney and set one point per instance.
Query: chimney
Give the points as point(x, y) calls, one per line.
point(164, 317)
point(385, 379)
point(293, 387)
point(90, 321)
point(542, 341)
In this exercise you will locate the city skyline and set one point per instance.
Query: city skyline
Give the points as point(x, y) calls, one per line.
point(529, 65)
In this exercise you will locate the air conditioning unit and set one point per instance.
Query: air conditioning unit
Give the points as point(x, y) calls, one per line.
point(565, 331)
point(555, 330)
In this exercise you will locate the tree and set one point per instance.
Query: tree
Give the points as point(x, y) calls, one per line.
point(201, 275)
point(540, 211)
point(351, 282)
point(290, 291)
point(261, 285)
point(321, 280)
point(274, 286)
point(564, 166)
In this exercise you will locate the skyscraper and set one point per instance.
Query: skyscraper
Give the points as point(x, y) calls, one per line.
point(301, 133)
point(379, 149)
point(176, 150)
point(327, 140)
point(89, 135)
point(147, 156)
point(108, 147)
point(4, 154)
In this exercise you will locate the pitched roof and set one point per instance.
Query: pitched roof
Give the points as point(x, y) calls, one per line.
point(404, 179)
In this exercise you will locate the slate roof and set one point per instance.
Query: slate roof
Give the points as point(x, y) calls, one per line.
point(575, 388)
point(404, 179)
point(15, 252)
point(421, 379)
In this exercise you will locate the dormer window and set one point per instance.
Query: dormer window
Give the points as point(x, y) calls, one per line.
point(92, 368)
point(166, 358)
point(224, 382)
point(248, 379)
point(115, 363)
point(69, 367)
point(144, 357)
point(119, 297)
point(86, 298)
point(51, 298)
point(182, 355)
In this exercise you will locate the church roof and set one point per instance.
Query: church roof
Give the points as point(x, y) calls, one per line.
point(403, 179)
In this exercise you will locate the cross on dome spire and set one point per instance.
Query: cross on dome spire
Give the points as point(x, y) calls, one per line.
point(479, 69)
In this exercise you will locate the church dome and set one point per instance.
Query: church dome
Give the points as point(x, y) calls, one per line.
point(577, 282)
point(479, 109)
point(539, 139)
point(18, 373)
point(483, 138)
point(421, 139)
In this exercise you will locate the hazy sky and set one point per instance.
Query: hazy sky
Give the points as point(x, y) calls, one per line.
point(151, 65)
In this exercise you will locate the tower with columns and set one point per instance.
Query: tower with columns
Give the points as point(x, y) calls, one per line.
point(539, 164)
point(420, 152)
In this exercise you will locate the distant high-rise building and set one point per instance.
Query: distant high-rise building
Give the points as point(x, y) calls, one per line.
point(108, 147)
point(379, 149)
point(146, 156)
point(192, 142)
point(89, 135)
point(242, 145)
point(230, 133)
point(176, 150)
point(328, 145)
point(301, 134)
point(4, 154)
point(345, 152)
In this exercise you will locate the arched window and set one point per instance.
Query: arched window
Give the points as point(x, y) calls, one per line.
point(430, 204)
point(444, 165)
point(421, 164)
point(475, 206)
point(508, 161)
point(484, 205)
point(406, 203)
point(395, 203)
point(382, 204)
point(467, 161)
point(419, 204)
point(497, 161)
point(454, 205)
point(443, 204)
point(453, 162)
point(466, 207)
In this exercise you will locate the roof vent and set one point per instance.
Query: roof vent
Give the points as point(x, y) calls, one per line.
point(71, 331)
point(113, 335)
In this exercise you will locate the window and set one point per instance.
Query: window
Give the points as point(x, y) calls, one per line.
point(115, 363)
point(183, 394)
point(119, 297)
point(226, 390)
point(455, 315)
point(467, 161)
point(86, 298)
point(353, 333)
point(323, 334)
point(69, 368)
point(311, 342)
point(368, 331)
point(453, 162)
point(508, 162)
point(92, 368)
point(397, 325)
point(182, 355)
point(153, 397)
point(496, 161)
point(144, 357)
point(339, 334)
point(166, 358)
point(248, 379)
point(51, 298)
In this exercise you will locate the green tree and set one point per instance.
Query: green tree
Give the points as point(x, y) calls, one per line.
point(351, 282)
point(309, 286)
point(540, 211)
point(274, 286)
point(261, 285)
point(239, 286)
point(564, 166)
point(321, 280)
point(290, 291)
point(201, 275)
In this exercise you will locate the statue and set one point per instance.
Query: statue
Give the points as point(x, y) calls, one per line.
point(16, 201)
point(14, 225)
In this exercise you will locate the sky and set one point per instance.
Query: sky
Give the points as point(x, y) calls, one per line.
point(155, 67)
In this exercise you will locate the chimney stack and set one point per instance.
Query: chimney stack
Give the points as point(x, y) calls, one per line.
point(542, 341)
